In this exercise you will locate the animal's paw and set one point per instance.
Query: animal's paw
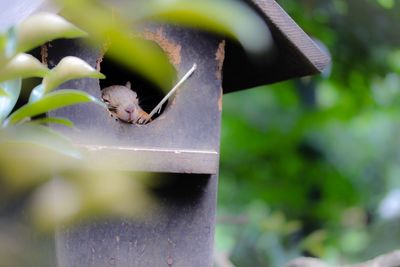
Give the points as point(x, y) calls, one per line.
point(143, 118)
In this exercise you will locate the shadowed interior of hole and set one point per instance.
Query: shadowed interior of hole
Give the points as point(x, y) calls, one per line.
point(149, 94)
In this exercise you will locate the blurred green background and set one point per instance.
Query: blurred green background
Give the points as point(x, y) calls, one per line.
point(311, 167)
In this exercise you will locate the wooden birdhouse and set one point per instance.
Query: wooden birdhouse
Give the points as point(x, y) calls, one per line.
point(182, 142)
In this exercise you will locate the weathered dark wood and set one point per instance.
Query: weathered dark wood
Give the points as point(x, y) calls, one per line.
point(184, 139)
point(179, 233)
point(294, 54)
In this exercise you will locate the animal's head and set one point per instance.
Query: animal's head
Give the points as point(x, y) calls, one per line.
point(122, 102)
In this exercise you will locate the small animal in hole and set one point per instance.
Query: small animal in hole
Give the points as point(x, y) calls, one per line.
point(123, 103)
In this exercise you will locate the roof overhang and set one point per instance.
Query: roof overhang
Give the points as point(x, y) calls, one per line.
point(294, 53)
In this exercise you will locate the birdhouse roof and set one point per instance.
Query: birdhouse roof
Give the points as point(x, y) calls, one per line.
point(294, 53)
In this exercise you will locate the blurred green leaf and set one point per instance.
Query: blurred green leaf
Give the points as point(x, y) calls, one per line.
point(22, 66)
point(86, 193)
point(389, 4)
point(51, 101)
point(10, 45)
point(67, 69)
point(353, 241)
point(42, 27)
point(3, 43)
point(116, 35)
point(314, 243)
point(394, 60)
point(30, 154)
point(38, 135)
point(53, 120)
point(231, 18)
point(3, 92)
point(7, 102)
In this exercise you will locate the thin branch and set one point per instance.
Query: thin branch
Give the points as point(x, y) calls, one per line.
point(157, 109)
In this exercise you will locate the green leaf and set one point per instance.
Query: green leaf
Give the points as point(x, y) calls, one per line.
point(3, 92)
point(12, 90)
point(36, 93)
point(3, 43)
point(230, 18)
point(51, 101)
point(8, 46)
point(53, 120)
point(67, 69)
point(43, 27)
point(137, 54)
point(22, 66)
point(104, 28)
point(38, 135)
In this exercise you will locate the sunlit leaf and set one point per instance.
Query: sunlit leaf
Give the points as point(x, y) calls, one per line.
point(67, 69)
point(49, 102)
point(38, 135)
point(30, 153)
point(87, 193)
point(8, 46)
point(3, 42)
point(230, 18)
point(105, 28)
point(56, 202)
point(3, 92)
point(53, 120)
point(12, 89)
point(11, 43)
point(22, 66)
point(43, 27)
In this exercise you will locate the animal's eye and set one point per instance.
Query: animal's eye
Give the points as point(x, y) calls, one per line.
point(111, 108)
point(105, 101)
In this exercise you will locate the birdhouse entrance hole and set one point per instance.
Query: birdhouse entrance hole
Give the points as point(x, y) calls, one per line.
point(148, 93)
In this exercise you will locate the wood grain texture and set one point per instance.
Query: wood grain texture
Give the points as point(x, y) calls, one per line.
point(178, 233)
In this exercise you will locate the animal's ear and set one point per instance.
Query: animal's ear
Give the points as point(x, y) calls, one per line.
point(105, 97)
point(128, 84)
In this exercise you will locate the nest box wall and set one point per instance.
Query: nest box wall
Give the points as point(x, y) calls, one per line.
point(185, 137)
